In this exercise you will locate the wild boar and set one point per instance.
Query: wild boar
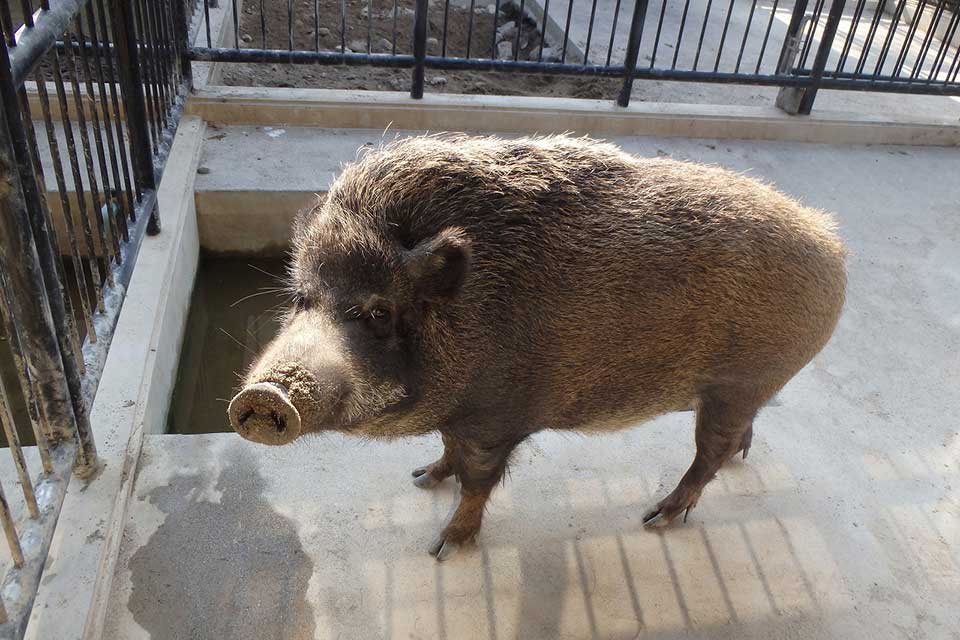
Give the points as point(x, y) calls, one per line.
point(487, 289)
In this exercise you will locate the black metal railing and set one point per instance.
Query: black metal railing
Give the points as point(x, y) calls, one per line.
point(907, 46)
point(91, 92)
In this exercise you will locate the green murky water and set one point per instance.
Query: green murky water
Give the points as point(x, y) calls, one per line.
point(232, 317)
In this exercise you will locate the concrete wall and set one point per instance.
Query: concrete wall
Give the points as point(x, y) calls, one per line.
point(132, 400)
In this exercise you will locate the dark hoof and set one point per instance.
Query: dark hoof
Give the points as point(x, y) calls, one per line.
point(670, 508)
point(443, 549)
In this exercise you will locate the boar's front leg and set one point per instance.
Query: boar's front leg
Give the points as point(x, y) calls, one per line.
point(479, 466)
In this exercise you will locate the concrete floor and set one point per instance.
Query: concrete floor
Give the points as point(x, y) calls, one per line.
point(843, 523)
point(679, 48)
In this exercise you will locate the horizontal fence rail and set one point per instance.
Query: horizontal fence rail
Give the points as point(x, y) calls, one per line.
point(91, 92)
point(904, 46)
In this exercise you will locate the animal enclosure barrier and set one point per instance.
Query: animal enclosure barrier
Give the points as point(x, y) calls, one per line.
point(91, 93)
point(906, 46)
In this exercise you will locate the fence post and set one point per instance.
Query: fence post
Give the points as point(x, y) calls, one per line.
point(134, 106)
point(419, 47)
point(28, 261)
point(799, 100)
point(182, 34)
point(633, 51)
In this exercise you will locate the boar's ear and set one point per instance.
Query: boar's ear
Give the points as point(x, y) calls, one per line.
point(304, 217)
point(439, 265)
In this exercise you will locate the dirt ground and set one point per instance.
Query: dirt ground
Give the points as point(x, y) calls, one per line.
point(452, 41)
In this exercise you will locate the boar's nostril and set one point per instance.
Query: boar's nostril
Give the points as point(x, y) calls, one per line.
point(263, 413)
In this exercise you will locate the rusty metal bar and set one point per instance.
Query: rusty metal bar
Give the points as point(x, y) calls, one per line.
point(27, 255)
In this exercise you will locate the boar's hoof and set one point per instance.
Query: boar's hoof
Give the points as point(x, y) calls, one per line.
point(670, 507)
point(745, 442)
point(443, 549)
point(424, 479)
point(263, 413)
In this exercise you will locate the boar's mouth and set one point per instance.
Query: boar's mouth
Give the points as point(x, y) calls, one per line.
point(262, 412)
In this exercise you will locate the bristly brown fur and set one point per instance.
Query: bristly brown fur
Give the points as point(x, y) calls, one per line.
point(603, 289)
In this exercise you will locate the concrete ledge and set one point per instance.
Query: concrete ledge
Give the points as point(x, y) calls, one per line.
point(249, 222)
point(132, 399)
point(381, 109)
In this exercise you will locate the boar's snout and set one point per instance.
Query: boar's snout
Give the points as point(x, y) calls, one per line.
point(263, 413)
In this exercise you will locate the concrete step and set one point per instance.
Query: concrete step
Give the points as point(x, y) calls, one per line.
point(253, 180)
point(328, 539)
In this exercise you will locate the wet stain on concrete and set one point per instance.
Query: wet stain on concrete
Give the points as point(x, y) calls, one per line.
point(233, 569)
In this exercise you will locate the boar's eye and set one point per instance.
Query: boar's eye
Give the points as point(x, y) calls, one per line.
point(300, 302)
point(380, 321)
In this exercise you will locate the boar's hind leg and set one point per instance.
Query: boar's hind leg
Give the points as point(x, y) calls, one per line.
point(724, 427)
point(433, 474)
point(478, 467)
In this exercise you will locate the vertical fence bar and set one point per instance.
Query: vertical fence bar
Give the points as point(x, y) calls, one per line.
point(493, 36)
point(633, 51)
point(27, 255)
point(470, 28)
point(290, 25)
point(85, 290)
point(396, 9)
point(807, 95)
point(206, 21)
point(613, 28)
point(868, 41)
point(26, 383)
point(97, 274)
point(148, 47)
point(13, 540)
point(851, 34)
point(703, 31)
point(566, 32)
point(944, 47)
point(683, 24)
point(586, 48)
point(928, 41)
point(107, 227)
point(128, 73)
point(142, 56)
point(543, 31)
point(746, 33)
point(129, 186)
point(656, 38)
point(235, 14)
point(92, 183)
point(446, 20)
point(181, 32)
point(316, 25)
point(13, 442)
point(516, 43)
point(791, 41)
point(723, 36)
point(419, 47)
point(766, 36)
point(112, 195)
point(888, 40)
point(808, 39)
point(908, 40)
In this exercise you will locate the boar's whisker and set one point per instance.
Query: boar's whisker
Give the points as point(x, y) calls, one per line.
point(226, 333)
point(266, 273)
point(255, 294)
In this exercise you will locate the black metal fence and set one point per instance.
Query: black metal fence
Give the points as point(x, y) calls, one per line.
point(906, 46)
point(91, 92)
